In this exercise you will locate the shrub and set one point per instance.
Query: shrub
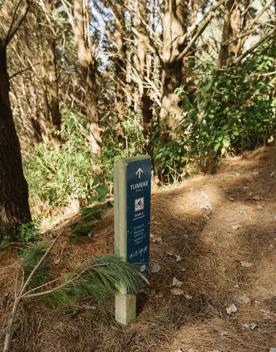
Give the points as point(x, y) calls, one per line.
point(58, 172)
point(126, 140)
point(232, 109)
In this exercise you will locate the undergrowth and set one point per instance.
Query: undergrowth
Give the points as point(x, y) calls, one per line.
point(231, 111)
point(88, 218)
point(26, 233)
point(57, 173)
point(226, 112)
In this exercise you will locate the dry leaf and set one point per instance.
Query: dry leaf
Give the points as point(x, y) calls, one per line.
point(177, 283)
point(155, 268)
point(243, 298)
point(231, 309)
point(157, 239)
point(177, 291)
point(188, 296)
point(249, 326)
point(245, 264)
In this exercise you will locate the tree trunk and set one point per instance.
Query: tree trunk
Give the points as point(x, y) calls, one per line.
point(231, 27)
point(52, 78)
point(174, 27)
point(144, 67)
point(14, 206)
point(120, 60)
point(88, 69)
point(170, 113)
point(51, 88)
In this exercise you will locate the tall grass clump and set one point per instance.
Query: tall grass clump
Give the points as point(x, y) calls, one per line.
point(58, 172)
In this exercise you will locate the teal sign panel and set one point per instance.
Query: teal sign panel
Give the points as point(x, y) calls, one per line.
point(138, 177)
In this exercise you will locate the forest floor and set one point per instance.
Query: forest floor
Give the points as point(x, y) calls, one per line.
point(213, 286)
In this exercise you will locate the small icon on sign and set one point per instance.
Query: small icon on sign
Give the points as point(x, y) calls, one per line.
point(139, 204)
point(139, 172)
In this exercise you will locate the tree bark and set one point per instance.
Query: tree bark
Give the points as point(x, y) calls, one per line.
point(88, 69)
point(120, 59)
point(230, 48)
point(144, 68)
point(14, 206)
point(51, 75)
point(174, 27)
point(51, 90)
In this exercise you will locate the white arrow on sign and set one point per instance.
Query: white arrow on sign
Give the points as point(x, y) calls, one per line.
point(139, 172)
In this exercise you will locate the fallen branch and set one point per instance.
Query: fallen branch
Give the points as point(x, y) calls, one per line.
point(100, 277)
point(19, 294)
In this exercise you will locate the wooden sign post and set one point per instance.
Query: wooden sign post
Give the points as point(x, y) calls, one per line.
point(132, 191)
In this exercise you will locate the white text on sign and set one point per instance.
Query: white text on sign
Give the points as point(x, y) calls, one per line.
point(139, 185)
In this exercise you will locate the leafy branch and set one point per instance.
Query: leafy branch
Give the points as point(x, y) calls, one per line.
point(101, 277)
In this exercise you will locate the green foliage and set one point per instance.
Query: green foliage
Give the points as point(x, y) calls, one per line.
point(4, 241)
point(26, 233)
point(231, 111)
point(169, 159)
point(88, 218)
point(57, 173)
point(30, 232)
point(224, 112)
point(103, 277)
point(30, 257)
point(101, 188)
point(125, 140)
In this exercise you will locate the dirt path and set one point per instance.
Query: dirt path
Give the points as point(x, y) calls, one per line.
point(217, 236)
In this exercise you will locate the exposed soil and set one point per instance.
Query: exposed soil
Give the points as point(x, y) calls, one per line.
point(216, 234)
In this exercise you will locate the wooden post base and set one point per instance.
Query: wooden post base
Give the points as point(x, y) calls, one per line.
point(125, 308)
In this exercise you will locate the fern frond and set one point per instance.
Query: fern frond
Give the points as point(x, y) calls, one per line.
point(81, 229)
point(58, 298)
point(88, 217)
point(102, 277)
point(111, 270)
point(30, 257)
point(90, 214)
point(29, 232)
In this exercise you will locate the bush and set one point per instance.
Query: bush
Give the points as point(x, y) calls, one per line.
point(126, 140)
point(57, 173)
point(169, 160)
point(231, 111)
point(26, 233)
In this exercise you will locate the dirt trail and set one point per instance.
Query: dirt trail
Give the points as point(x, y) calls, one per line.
point(217, 235)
